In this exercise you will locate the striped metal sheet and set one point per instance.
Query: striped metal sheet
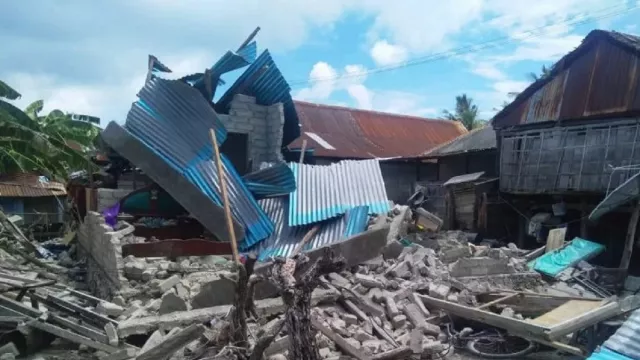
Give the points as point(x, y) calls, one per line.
point(264, 80)
point(285, 238)
point(626, 340)
point(173, 119)
point(229, 62)
point(605, 354)
point(275, 180)
point(325, 192)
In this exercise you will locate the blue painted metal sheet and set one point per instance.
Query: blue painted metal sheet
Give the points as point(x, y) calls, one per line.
point(173, 119)
point(264, 80)
point(275, 180)
point(229, 62)
point(553, 263)
point(285, 238)
point(605, 354)
point(156, 65)
point(325, 192)
point(626, 340)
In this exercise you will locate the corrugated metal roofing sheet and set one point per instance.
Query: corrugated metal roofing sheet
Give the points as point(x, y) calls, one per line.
point(621, 195)
point(475, 140)
point(327, 191)
point(342, 132)
point(29, 185)
point(626, 340)
point(173, 119)
point(265, 82)
point(460, 179)
point(606, 354)
point(272, 181)
point(231, 61)
point(285, 238)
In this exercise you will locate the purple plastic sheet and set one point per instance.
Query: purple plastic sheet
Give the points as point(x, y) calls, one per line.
point(111, 214)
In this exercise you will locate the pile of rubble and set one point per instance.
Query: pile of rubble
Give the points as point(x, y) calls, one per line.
point(177, 307)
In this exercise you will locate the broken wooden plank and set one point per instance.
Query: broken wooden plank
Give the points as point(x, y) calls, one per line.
point(514, 326)
point(71, 336)
point(174, 343)
point(63, 305)
point(567, 311)
point(555, 239)
point(341, 343)
point(585, 320)
point(497, 301)
point(87, 331)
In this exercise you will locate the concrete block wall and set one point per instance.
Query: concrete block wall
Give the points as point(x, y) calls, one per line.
point(101, 246)
point(108, 197)
point(263, 125)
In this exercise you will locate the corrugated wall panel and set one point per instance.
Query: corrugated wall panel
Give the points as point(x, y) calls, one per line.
point(328, 191)
point(174, 120)
point(274, 180)
point(285, 238)
point(578, 82)
point(544, 104)
point(611, 80)
point(626, 340)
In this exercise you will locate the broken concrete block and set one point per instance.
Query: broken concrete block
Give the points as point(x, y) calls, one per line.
point(375, 263)
point(109, 309)
point(402, 270)
point(171, 303)
point(439, 291)
point(167, 284)
point(368, 281)
point(324, 352)
point(154, 340)
point(353, 342)
point(415, 341)
point(350, 319)
point(433, 347)
point(450, 255)
point(220, 291)
point(479, 266)
point(372, 346)
point(399, 321)
point(362, 336)
point(392, 308)
point(182, 291)
point(415, 316)
point(338, 280)
point(112, 334)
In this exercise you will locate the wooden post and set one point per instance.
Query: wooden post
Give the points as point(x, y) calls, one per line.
point(584, 219)
point(225, 197)
point(304, 148)
point(631, 237)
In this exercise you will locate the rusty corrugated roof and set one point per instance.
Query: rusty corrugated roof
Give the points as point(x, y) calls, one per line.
point(28, 185)
point(341, 132)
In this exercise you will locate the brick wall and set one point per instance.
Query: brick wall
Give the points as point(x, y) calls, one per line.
point(263, 125)
point(108, 197)
point(101, 246)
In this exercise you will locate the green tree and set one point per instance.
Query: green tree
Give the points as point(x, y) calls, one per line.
point(466, 112)
point(47, 144)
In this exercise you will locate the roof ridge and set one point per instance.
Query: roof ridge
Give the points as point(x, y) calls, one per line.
point(339, 107)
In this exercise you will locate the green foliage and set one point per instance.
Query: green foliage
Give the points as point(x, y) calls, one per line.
point(466, 112)
point(46, 144)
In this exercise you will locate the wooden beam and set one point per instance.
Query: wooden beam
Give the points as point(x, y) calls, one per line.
point(514, 326)
point(497, 301)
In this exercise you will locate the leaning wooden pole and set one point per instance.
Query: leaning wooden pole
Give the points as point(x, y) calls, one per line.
point(225, 198)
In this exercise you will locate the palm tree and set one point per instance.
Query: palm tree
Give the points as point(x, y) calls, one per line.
point(544, 72)
point(466, 112)
point(47, 144)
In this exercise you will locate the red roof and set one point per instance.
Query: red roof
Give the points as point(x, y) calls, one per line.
point(28, 185)
point(341, 132)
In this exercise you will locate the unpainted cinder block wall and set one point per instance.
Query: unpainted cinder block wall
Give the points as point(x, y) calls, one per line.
point(263, 125)
point(108, 197)
point(101, 246)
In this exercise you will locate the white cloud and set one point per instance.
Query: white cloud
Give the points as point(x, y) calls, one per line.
point(322, 77)
point(505, 87)
point(488, 70)
point(384, 53)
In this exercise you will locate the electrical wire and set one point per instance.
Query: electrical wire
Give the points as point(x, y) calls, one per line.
point(468, 48)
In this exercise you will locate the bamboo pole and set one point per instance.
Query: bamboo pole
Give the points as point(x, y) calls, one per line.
point(225, 198)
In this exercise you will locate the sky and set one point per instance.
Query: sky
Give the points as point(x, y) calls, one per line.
point(403, 56)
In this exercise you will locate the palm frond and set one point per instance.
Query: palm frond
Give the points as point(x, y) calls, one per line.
point(8, 92)
point(34, 109)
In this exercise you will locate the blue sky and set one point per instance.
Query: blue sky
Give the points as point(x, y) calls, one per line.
point(90, 56)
